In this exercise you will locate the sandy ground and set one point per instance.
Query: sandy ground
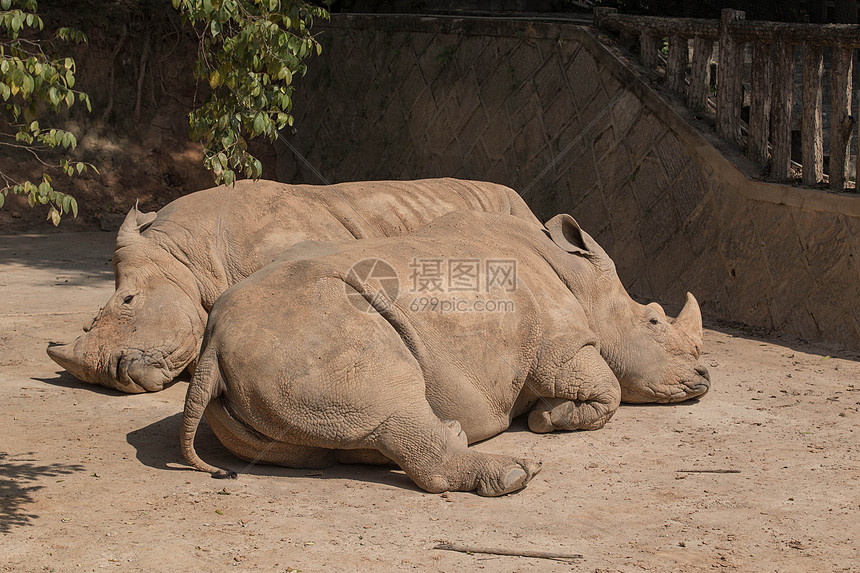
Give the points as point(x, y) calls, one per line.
point(91, 479)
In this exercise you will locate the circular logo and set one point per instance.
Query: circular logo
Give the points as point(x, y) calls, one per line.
point(371, 285)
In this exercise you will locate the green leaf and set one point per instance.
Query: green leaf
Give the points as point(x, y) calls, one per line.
point(27, 86)
point(259, 123)
point(250, 55)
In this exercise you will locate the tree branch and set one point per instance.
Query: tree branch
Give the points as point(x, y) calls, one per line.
point(510, 552)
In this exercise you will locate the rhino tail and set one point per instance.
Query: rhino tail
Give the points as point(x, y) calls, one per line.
point(206, 385)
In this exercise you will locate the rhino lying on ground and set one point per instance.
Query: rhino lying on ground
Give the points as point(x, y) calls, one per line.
point(325, 356)
point(170, 266)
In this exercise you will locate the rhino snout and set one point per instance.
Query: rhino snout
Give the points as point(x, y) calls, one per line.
point(137, 371)
point(701, 384)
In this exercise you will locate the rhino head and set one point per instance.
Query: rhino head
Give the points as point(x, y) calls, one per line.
point(151, 327)
point(654, 357)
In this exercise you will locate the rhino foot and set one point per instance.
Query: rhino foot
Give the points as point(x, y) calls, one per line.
point(551, 414)
point(509, 479)
point(434, 455)
point(485, 474)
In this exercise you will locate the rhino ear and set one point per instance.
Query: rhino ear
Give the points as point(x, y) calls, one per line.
point(567, 234)
point(134, 223)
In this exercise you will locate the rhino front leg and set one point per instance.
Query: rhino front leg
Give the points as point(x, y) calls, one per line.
point(585, 395)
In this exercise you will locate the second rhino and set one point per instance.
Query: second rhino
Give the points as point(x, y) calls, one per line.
point(337, 352)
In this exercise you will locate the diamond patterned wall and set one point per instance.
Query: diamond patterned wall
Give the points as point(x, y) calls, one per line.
point(547, 110)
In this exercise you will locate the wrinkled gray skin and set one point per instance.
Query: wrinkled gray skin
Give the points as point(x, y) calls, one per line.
point(171, 266)
point(293, 371)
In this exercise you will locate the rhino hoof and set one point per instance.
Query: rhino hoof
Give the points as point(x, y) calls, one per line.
point(514, 480)
point(224, 474)
point(540, 421)
point(533, 468)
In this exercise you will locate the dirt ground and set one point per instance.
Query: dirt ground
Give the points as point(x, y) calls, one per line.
point(91, 479)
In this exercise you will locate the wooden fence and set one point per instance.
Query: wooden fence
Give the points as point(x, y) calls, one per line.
point(771, 82)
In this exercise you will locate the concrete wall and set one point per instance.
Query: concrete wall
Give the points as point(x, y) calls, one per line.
point(549, 111)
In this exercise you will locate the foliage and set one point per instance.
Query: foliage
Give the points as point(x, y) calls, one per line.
point(30, 78)
point(249, 53)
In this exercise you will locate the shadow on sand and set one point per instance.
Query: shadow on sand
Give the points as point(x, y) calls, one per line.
point(86, 253)
point(19, 477)
point(157, 446)
point(66, 380)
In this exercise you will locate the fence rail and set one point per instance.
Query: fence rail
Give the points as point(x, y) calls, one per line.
point(771, 82)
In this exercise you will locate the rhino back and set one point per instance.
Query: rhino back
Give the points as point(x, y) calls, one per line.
point(474, 363)
point(226, 233)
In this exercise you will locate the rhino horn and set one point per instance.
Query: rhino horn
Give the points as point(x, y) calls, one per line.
point(134, 222)
point(69, 356)
point(689, 321)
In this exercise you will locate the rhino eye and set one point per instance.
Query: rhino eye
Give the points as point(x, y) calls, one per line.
point(128, 299)
point(654, 321)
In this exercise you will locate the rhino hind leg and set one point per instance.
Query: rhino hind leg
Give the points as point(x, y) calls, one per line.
point(436, 458)
point(377, 458)
point(248, 445)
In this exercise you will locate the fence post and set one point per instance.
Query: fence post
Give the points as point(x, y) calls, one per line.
point(676, 63)
point(729, 78)
point(783, 98)
point(700, 71)
point(760, 86)
point(648, 49)
point(841, 121)
point(811, 127)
